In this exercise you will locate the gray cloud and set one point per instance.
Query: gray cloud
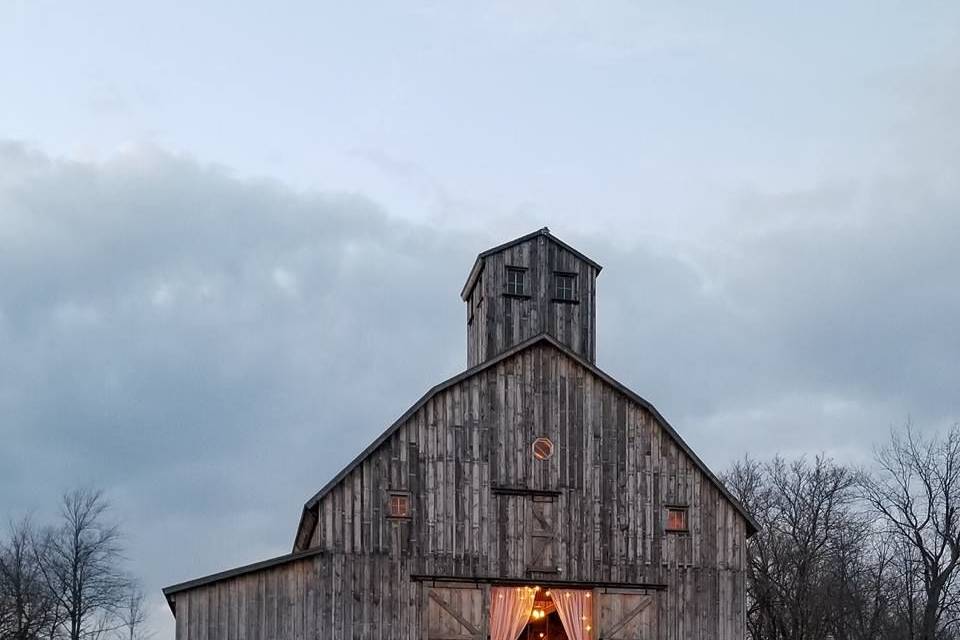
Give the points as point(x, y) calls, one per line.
point(212, 349)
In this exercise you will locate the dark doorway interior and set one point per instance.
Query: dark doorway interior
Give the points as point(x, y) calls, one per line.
point(547, 628)
point(545, 622)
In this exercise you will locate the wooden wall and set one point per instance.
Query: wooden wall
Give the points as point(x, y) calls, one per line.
point(614, 469)
point(323, 596)
point(466, 461)
point(501, 321)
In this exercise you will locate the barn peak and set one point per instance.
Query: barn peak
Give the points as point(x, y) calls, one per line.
point(531, 285)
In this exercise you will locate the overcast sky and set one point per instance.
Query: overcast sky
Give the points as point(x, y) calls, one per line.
point(225, 229)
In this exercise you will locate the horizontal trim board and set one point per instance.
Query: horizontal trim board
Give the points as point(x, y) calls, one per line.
point(572, 584)
point(523, 491)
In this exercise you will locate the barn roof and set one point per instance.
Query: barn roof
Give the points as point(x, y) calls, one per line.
point(752, 526)
point(478, 264)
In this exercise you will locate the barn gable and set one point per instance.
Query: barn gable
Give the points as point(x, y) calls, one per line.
point(510, 387)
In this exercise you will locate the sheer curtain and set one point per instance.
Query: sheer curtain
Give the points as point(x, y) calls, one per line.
point(574, 609)
point(510, 609)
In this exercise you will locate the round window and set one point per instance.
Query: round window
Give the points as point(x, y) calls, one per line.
point(542, 448)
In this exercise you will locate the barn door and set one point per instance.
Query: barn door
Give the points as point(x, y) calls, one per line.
point(625, 615)
point(543, 535)
point(454, 612)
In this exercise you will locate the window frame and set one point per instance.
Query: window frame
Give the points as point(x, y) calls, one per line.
point(678, 508)
point(399, 495)
point(507, 290)
point(548, 441)
point(574, 297)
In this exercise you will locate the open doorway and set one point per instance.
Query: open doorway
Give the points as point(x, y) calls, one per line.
point(540, 613)
point(544, 622)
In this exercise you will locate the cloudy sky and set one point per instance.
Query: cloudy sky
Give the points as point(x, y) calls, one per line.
point(225, 228)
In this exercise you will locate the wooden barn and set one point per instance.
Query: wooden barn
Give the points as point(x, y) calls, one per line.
point(531, 496)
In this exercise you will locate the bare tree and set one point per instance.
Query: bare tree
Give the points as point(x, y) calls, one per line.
point(80, 561)
point(27, 608)
point(916, 492)
point(806, 562)
point(133, 616)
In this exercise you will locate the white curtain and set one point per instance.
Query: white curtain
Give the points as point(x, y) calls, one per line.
point(573, 606)
point(510, 609)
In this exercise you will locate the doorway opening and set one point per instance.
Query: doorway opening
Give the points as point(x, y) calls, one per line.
point(540, 613)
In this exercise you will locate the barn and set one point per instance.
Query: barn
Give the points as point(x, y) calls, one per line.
point(531, 496)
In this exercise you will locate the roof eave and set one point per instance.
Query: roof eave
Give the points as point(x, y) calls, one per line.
point(471, 278)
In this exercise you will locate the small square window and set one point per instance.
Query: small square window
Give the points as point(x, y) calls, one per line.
point(399, 505)
point(677, 519)
point(515, 281)
point(564, 286)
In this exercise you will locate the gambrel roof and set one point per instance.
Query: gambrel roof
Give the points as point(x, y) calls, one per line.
point(311, 504)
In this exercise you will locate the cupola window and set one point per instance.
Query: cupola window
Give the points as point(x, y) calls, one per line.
point(564, 284)
point(515, 281)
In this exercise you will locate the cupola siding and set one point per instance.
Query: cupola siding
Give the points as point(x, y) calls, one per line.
point(501, 315)
point(531, 468)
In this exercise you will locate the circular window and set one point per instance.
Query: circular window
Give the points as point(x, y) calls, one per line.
point(542, 448)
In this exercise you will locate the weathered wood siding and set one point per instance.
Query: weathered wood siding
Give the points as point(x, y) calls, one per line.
point(615, 469)
point(323, 596)
point(459, 456)
point(500, 321)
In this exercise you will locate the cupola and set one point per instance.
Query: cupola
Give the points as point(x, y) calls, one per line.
point(531, 285)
